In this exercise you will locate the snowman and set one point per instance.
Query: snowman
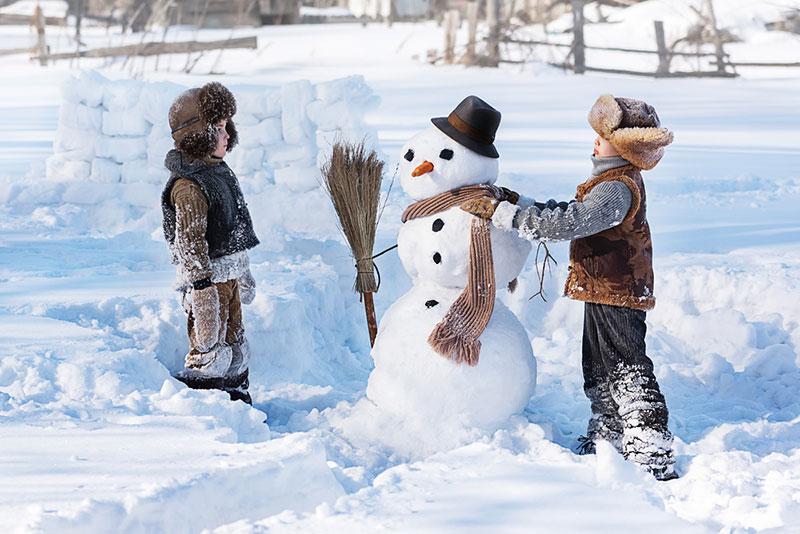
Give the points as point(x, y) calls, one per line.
point(449, 350)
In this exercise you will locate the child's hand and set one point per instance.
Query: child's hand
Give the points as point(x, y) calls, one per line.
point(504, 216)
point(480, 207)
point(247, 287)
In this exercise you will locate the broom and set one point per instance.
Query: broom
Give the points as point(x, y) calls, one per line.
point(352, 178)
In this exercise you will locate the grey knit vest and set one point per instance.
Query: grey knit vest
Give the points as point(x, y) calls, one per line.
point(230, 228)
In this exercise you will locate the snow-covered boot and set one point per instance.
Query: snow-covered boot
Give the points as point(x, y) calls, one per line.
point(601, 426)
point(240, 360)
point(237, 379)
point(237, 388)
point(605, 422)
point(648, 443)
point(211, 364)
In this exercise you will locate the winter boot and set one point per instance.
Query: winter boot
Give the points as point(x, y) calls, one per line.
point(212, 364)
point(605, 422)
point(237, 387)
point(648, 443)
point(237, 379)
point(601, 426)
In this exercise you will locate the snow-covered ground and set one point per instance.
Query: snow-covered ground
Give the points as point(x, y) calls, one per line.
point(96, 437)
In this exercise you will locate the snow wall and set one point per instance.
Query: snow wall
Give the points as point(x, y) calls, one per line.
point(113, 132)
point(103, 185)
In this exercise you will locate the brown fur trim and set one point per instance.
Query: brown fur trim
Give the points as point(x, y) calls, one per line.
point(233, 134)
point(644, 147)
point(215, 102)
point(605, 115)
point(198, 144)
point(644, 304)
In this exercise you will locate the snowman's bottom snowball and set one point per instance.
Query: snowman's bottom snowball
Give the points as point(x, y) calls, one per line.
point(410, 379)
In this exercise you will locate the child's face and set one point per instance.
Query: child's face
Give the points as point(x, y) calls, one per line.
point(603, 149)
point(222, 138)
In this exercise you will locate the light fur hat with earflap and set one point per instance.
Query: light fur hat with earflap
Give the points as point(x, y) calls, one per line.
point(192, 117)
point(632, 127)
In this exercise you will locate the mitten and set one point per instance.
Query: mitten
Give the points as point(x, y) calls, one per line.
point(247, 287)
point(480, 207)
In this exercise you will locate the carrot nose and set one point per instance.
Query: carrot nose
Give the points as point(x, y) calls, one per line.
point(424, 167)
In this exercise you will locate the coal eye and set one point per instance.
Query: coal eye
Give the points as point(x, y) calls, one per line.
point(409, 155)
point(446, 154)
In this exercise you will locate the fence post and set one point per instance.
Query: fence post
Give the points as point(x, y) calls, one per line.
point(663, 54)
point(41, 42)
point(451, 23)
point(578, 50)
point(493, 21)
point(720, 51)
point(472, 26)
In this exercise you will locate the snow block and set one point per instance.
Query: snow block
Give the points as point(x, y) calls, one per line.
point(297, 129)
point(265, 133)
point(282, 155)
point(245, 119)
point(134, 171)
point(156, 98)
point(298, 179)
point(126, 122)
point(252, 99)
point(273, 103)
point(121, 149)
point(80, 116)
point(246, 161)
point(85, 88)
point(352, 89)
point(69, 139)
point(59, 168)
point(121, 95)
point(105, 171)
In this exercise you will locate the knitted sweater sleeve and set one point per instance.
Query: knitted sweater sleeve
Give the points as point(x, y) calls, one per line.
point(604, 207)
point(191, 220)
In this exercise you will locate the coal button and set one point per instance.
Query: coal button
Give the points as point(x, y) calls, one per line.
point(431, 303)
point(438, 224)
point(437, 258)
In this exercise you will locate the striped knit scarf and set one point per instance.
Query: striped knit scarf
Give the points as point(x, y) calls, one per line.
point(456, 335)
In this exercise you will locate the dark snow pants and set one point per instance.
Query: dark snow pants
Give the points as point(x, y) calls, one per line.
point(628, 408)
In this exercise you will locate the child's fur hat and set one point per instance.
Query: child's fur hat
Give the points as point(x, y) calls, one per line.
point(632, 127)
point(192, 117)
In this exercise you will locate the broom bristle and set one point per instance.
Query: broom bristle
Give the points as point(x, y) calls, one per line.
point(352, 178)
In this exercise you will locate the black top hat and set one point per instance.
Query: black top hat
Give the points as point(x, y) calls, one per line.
point(472, 124)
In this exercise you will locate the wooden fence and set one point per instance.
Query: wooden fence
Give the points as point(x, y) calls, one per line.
point(725, 68)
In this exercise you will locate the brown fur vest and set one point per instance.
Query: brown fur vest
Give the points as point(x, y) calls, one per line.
point(615, 267)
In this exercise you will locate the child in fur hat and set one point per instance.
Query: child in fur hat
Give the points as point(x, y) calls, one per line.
point(611, 271)
point(209, 231)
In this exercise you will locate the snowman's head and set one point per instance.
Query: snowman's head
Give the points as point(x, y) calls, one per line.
point(433, 163)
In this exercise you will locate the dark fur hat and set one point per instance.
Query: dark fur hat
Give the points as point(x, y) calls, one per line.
point(192, 117)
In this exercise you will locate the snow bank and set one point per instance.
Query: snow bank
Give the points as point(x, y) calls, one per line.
point(290, 473)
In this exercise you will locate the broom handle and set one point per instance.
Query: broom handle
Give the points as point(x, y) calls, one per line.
point(372, 325)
